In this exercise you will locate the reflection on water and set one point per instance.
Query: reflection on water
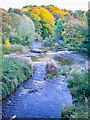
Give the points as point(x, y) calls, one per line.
point(49, 56)
point(63, 61)
point(42, 58)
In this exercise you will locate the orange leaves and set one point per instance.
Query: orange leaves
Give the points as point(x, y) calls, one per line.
point(45, 15)
point(85, 12)
point(56, 11)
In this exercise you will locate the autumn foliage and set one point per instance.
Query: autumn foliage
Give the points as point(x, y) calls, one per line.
point(6, 28)
point(69, 26)
point(44, 18)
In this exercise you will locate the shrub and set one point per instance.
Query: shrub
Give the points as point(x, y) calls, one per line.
point(15, 39)
point(64, 70)
point(14, 49)
point(48, 42)
point(79, 85)
point(80, 92)
point(78, 111)
point(14, 73)
point(51, 42)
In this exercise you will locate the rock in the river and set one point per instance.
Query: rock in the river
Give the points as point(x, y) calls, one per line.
point(52, 67)
point(37, 51)
point(61, 42)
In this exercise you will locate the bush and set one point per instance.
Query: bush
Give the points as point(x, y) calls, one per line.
point(51, 42)
point(15, 39)
point(48, 42)
point(14, 73)
point(78, 111)
point(78, 82)
point(64, 70)
point(13, 49)
point(79, 85)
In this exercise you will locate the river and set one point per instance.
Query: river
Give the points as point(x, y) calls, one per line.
point(48, 101)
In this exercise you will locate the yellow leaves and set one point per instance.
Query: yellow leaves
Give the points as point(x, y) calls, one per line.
point(44, 14)
point(36, 11)
point(26, 9)
point(35, 17)
point(0, 45)
point(64, 24)
point(8, 44)
point(74, 31)
point(84, 12)
point(54, 10)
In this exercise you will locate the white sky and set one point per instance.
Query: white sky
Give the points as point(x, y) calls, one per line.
point(68, 4)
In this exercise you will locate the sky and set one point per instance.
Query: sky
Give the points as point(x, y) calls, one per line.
point(68, 4)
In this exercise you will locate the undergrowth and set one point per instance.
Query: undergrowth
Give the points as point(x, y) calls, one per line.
point(15, 72)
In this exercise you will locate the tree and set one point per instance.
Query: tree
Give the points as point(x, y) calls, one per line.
point(15, 18)
point(46, 18)
point(80, 15)
point(74, 32)
point(58, 13)
point(16, 11)
point(36, 20)
point(6, 28)
point(59, 29)
point(26, 29)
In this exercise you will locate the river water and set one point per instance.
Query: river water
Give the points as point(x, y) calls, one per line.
point(48, 101)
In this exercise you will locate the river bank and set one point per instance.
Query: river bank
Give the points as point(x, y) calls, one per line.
point(15, 71)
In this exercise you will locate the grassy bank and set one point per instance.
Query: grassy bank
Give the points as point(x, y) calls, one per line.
point(78, 83)
point(14, 49)
point(15, 72)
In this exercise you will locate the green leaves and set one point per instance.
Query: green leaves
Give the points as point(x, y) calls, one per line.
point(14, 73)
point(59, 29)
point(26, 27)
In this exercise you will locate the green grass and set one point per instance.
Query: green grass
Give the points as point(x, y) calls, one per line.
point(15, 72)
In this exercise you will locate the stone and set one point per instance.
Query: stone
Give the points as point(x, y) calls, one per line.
point(13, 117)
point(61, 42)
point(37, 51)
point(51, 67)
